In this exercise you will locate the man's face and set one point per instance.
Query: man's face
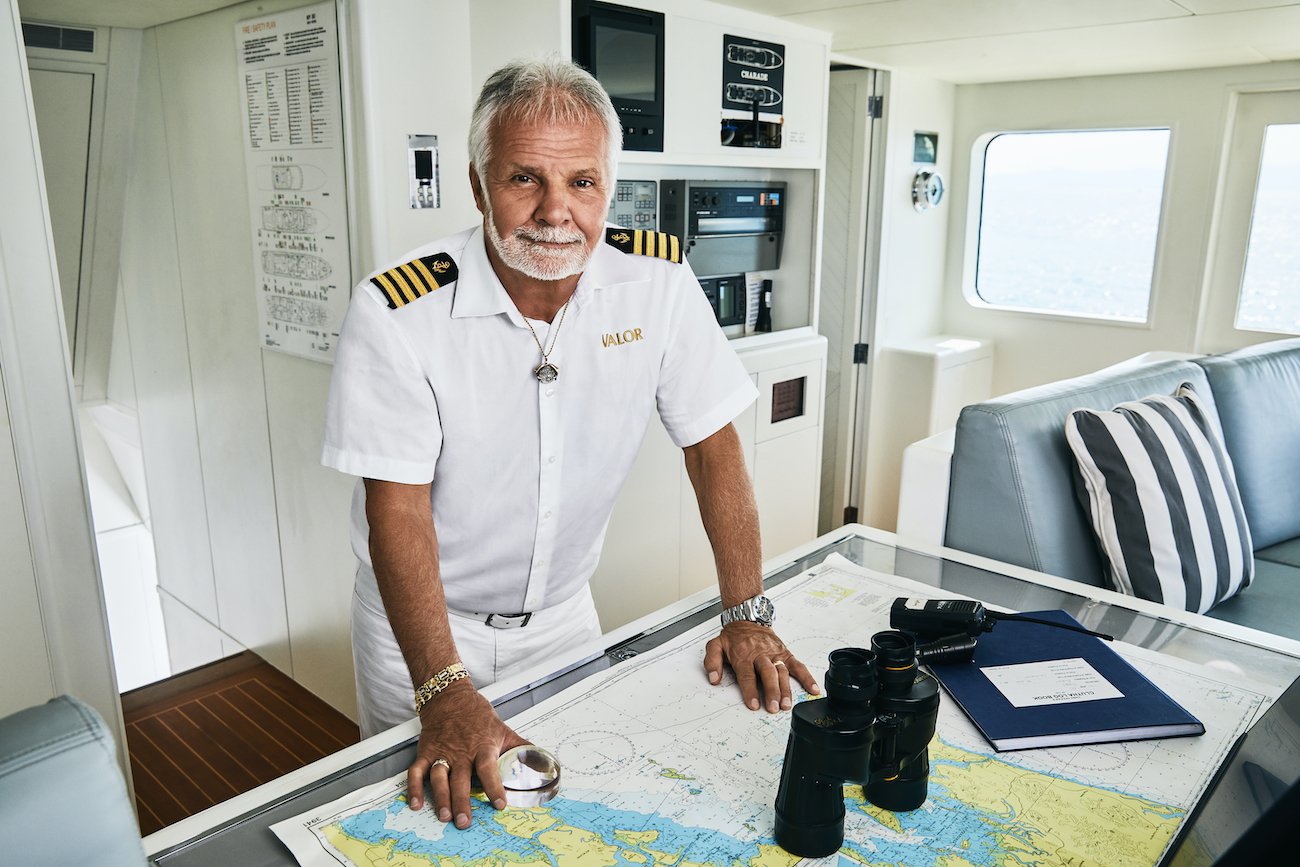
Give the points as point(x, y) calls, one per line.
point(545, 196)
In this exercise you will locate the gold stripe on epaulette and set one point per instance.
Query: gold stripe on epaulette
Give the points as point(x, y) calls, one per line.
point(415, 279)
point(643, 242)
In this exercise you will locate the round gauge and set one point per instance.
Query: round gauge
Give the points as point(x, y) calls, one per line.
point(927, 190)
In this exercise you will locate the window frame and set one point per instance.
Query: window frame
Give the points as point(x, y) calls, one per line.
point(1252, 223)
point(1251, 111)
point(974, 228)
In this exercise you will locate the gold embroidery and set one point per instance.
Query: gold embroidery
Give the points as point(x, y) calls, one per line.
point(628, 335)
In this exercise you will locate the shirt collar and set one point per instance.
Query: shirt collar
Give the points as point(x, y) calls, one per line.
point(478, 291)
point(609, 267)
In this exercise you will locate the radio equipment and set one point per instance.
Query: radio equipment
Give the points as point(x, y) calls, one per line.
point(729, 298)
point(725, 227)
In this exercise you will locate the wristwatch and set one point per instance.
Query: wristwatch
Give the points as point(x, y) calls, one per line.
point(756, 609)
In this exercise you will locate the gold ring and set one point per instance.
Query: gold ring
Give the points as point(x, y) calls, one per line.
point(446, 764)
point(779, 662)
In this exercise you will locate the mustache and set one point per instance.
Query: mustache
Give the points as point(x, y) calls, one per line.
point(549, 235)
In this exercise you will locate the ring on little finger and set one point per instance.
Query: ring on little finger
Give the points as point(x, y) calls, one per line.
point(779, 662)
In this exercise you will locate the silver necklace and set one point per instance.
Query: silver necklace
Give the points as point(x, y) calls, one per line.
point(547, 372)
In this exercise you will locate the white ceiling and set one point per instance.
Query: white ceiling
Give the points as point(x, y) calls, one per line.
point(968, 41)
point(963, 41)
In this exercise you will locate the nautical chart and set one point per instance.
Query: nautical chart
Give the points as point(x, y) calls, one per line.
point(662, 768)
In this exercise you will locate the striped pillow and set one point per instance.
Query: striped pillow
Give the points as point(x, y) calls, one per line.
point(1163, 500)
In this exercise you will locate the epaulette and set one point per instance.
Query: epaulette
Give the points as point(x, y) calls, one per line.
point(415, 279)
point(642, 242)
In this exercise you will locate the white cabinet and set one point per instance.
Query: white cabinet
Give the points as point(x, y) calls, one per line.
point(694, 90)
point(638, 566)
point(656, 550)
point(787, 458)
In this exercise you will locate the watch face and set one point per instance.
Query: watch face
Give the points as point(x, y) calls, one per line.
point(764, 610)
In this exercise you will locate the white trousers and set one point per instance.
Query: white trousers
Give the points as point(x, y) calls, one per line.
point(384, 694)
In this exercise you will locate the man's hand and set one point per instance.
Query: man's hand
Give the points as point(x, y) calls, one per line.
point(757, 656)
point(461, 735)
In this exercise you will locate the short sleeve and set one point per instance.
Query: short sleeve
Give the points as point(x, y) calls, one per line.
point(381, 421)
point(702, 384)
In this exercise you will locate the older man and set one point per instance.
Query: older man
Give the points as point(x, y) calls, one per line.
point(492, 389)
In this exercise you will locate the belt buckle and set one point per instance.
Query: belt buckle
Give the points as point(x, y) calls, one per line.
point(508, 621)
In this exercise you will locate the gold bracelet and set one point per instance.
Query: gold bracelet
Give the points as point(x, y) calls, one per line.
point(436, 684)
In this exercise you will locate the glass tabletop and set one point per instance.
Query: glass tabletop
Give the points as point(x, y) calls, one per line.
point(1233, 804)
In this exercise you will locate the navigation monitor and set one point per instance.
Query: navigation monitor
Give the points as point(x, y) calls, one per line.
point(624, 49)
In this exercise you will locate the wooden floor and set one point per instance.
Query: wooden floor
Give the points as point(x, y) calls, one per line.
point(209, 734)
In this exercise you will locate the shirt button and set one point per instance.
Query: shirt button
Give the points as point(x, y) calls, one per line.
point(539, 563)
point(546, 516)
point(551, 459)
point(550, 391)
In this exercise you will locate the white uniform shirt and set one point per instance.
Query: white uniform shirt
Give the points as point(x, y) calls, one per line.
point(524, 474)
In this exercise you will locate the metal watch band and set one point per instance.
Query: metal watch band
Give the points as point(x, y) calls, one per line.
point(757, 609)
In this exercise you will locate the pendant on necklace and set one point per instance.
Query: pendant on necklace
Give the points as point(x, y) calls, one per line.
point(546, 372)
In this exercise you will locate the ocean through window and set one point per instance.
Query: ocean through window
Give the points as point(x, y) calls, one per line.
point(1068, 221)
point(1270, 286)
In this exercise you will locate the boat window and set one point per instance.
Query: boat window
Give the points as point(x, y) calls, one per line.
point(1068, 221)
point(1269, 300)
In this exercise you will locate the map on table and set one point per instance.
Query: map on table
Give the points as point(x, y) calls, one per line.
point(661, 768)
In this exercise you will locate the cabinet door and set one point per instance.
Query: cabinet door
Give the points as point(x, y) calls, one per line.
point(697, 570)
point(638, 566)
point(786, 482)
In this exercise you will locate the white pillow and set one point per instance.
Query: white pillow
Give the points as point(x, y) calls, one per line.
point(1163, 500)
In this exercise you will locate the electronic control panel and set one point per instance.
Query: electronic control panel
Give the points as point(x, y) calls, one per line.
point(635, 205)
point(726, 227)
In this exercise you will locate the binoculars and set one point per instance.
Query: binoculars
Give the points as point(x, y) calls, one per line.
point(873, 728)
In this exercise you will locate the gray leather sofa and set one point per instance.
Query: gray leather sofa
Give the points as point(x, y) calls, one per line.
point(1011, 495)
point(62, 796)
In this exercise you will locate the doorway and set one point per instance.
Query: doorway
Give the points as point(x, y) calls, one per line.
point(68, 72)
point(850, 248)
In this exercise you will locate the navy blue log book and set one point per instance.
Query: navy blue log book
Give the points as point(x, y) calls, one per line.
point(1032, 685)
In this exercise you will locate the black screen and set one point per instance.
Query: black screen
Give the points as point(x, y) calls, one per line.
point(625, 63)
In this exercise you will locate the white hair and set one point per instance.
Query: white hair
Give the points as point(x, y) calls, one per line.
point(548, 90)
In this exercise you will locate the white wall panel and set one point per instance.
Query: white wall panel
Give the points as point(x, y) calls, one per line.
point(201, 105)
point(412, 75)
point(121, 83)
point(155, 315)
point(312, 505)
point(192, 640)
point(120, 386)
point(693, 83)
point(25, 662)
point(43, 496)
point(62, 100)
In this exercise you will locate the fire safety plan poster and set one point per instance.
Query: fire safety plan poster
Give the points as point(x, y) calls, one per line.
point(293, 153)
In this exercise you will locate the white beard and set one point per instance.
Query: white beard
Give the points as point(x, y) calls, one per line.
point(521, 251)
